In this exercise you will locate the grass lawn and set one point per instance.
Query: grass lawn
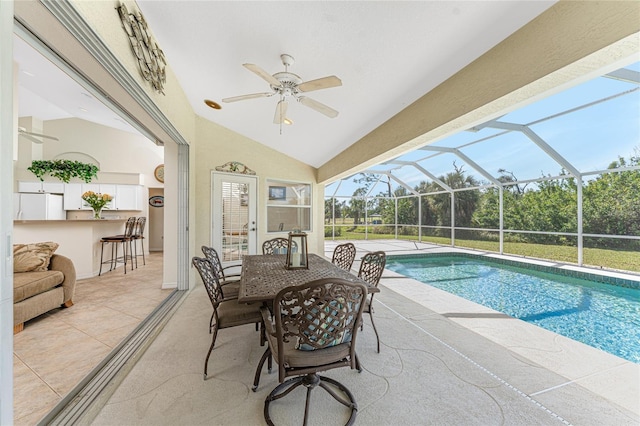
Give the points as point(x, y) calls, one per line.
point(599, 258)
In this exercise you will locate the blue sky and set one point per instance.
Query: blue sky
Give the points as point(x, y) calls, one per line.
point(590, 138)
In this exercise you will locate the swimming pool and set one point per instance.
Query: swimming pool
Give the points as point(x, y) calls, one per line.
point(602, 315)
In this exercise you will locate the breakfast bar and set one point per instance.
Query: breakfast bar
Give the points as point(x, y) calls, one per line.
point(78, 239)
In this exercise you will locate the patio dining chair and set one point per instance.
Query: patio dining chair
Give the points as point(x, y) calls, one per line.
point(313, 329)
point(344, 255)
point(277, 246)
point(226, 312)
point(230, 283)
point(371, 269)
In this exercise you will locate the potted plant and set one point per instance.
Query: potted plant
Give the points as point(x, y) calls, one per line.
point(64, 169)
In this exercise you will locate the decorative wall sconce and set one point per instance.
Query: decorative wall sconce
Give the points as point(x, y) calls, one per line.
point(297, 254)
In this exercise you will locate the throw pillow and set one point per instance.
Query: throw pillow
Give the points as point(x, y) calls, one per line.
point(327, 327)
point(33, 257)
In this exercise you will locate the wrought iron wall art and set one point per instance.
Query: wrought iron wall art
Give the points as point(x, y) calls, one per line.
point(150, 57)
point(235, 167)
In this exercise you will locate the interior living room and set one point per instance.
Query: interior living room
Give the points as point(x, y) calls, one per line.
point(542, 48)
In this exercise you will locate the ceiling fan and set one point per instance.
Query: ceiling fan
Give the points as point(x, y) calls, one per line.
point(286, 84)
point(33, 137)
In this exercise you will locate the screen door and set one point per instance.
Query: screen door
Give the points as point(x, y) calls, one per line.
point(233, 221)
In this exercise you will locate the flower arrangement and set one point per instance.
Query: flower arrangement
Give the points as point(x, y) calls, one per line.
point(96, 201)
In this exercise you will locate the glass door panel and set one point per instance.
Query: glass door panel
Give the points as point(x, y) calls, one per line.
point(233, 216)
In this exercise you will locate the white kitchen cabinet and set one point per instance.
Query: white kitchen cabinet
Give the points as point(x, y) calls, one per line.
point(72, 197)
point(128, 197)
point(41, 187)
point(73, 194)
point(125, 197)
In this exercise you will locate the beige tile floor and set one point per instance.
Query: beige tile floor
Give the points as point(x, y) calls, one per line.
point(443, 361)
point(56, 350)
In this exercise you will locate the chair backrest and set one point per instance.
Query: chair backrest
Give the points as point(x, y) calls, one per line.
point(344, 255)
point(319, 314)
point(277, 246)
point(210, 279)
point(130, 227)
point(372, 267)
point(140, 223)
point(212, 256)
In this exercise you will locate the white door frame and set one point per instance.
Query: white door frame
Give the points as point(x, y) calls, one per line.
point(217, 178)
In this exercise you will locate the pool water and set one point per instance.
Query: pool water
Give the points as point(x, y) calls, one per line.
point(601, 315)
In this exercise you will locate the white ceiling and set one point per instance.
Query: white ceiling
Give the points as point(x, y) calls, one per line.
point(47, 93)
point(387, 55)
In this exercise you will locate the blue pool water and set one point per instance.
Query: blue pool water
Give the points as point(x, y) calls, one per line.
point(601, 315)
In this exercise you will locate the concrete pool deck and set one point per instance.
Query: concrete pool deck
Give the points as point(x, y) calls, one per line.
point(607, 375)
point(443, 360)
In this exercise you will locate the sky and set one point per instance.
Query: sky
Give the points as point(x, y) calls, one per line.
point(588, 138)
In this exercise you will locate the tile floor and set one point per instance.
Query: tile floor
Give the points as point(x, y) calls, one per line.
point(56, 350)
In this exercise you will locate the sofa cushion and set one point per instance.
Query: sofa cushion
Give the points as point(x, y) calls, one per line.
point(27, 284)
point(32, 257)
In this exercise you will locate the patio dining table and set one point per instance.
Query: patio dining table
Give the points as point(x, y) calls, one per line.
point(263, 276)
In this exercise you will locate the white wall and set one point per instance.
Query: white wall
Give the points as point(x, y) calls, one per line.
point(117, 151)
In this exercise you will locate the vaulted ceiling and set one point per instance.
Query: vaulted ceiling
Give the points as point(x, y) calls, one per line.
point(387, 55)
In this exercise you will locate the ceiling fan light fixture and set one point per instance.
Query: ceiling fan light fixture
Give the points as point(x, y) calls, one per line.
point(289, 85)
point(212, 104)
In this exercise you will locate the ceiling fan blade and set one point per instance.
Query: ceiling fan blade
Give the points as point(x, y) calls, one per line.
point(281, 112)
point(31, 138)
point(251, 96)
point(320, 83)
point(263, 74)
point(28, 135)
point(321, 108)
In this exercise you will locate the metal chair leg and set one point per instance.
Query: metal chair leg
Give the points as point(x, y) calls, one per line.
point(213, 342)
point(374, 327)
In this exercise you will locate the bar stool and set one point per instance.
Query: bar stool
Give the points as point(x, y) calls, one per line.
point(138, 235)
point(114, 240)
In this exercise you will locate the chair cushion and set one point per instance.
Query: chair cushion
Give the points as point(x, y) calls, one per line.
point(33, 257)
point(295, 358)
point(28, 284)
point(230, 290)
point(231, 313)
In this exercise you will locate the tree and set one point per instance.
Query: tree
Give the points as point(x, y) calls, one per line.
point(612, 203)
point(357, 205)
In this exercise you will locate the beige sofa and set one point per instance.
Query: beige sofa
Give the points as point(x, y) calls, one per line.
point(35, 293)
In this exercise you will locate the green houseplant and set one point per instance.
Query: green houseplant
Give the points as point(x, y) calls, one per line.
point(63, 169)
